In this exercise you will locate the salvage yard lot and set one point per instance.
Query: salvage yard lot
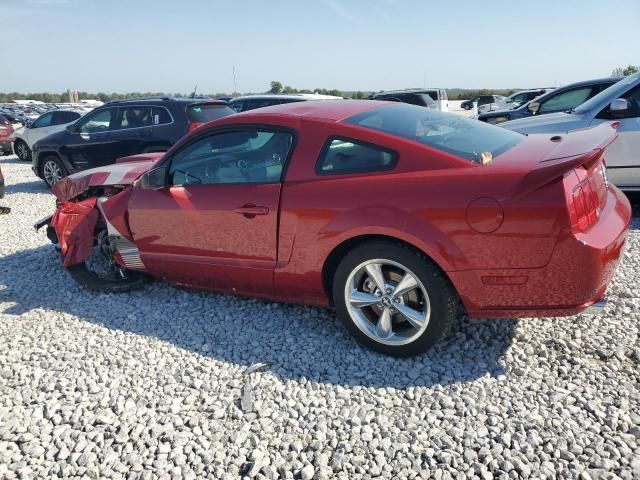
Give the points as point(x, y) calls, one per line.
point(149, 384)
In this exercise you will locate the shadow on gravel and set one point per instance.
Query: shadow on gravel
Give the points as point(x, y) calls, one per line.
point(36, 186)
point(12, 159)
point(300, 342)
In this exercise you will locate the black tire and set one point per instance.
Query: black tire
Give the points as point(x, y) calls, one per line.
point(467, 107)
point(43, 166)
point(22, 150)
point(443, 299)
point(89, 280)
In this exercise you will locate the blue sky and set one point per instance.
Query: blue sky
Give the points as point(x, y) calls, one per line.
point(158, 45)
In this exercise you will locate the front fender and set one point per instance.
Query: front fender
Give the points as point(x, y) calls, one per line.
point(74, 223)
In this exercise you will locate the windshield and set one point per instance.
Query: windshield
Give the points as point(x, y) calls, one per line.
point(614, 91)
point(450, 133)
point(205, 112)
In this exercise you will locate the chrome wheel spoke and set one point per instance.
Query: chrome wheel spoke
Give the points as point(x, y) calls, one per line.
point(384, 327)
point(374, 270)
point(414, 317)
point(405, 285)
point(361, 299)
point(387, 301)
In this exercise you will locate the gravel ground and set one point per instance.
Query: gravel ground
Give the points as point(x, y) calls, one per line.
point(151, 385)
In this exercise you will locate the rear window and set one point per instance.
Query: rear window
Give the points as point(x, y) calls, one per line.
point(444, 131)
point(205, 112)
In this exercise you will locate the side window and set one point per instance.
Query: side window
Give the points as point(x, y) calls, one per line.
point(566, 100)
point(342, 156)
point(135, 117)
point(100, 121)
point(238, 105)
point(443, 95)
point(43, 121)
point(63, 117)
point(633, 98)
point(246, 156)
point(160, 116)
point(262, 102)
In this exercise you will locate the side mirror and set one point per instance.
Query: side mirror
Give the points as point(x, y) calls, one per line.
point(619, 106)
point(153, 179)
point(70, 128)
point(533, 107)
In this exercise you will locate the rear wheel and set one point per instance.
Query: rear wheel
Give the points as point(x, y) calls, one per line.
point(100, 273)
point(22, 150)
point(52, 170)
point(393, 299)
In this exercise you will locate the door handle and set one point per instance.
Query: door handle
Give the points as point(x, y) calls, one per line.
point(250, 210)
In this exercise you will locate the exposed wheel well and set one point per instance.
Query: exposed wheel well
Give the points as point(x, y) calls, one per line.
point(337, 254)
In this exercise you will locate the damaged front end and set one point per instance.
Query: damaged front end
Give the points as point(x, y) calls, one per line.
point(95, 218)
point(90, 226)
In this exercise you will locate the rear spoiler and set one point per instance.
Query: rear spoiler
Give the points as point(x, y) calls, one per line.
point(575, 149)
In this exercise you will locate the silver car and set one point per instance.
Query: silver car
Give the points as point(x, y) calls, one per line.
point(619, 103)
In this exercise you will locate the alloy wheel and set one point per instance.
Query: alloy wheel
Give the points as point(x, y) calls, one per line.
point(387, 302)
point(52, 172)
point(22, 151)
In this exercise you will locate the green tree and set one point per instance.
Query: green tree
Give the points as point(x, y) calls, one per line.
point(276, 87)
point(289, 90)
point(625, 71)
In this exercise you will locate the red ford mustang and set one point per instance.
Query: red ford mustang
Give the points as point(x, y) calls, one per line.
point(395, 214)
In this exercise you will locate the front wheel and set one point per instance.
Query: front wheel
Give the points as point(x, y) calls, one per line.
point(393, 299)
point(101, 274)
point(52, 170)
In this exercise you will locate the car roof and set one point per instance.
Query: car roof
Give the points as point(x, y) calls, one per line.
point(333, 111)
point(293, 96)
point(408, 90)
point(166, 99)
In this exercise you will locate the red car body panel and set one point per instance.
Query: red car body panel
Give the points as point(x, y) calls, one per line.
point(503, 232)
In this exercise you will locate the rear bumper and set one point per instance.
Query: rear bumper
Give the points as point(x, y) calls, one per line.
point(576, 277)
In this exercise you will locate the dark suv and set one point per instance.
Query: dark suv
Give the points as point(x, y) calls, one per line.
point(121, 128)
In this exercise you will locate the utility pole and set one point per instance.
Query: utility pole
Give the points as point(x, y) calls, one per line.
point(235, 86)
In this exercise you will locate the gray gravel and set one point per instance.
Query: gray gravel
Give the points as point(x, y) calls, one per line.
point(152, 384)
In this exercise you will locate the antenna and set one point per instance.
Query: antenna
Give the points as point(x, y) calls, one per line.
point(235, 86)
point(193, 94)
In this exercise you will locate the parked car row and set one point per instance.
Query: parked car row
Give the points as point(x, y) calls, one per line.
point(557, 100)
point(619, 105)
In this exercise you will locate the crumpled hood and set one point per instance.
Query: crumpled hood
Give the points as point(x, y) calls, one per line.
point(124, 172)
point(549, 123)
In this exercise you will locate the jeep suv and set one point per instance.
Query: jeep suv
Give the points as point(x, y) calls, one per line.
point(118, 129)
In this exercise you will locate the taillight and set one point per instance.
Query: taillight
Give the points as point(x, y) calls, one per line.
point(584, 207)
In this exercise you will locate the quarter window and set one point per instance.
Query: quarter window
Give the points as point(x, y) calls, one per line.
point(342, 156)
point(245, 156)
point(160, 116)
